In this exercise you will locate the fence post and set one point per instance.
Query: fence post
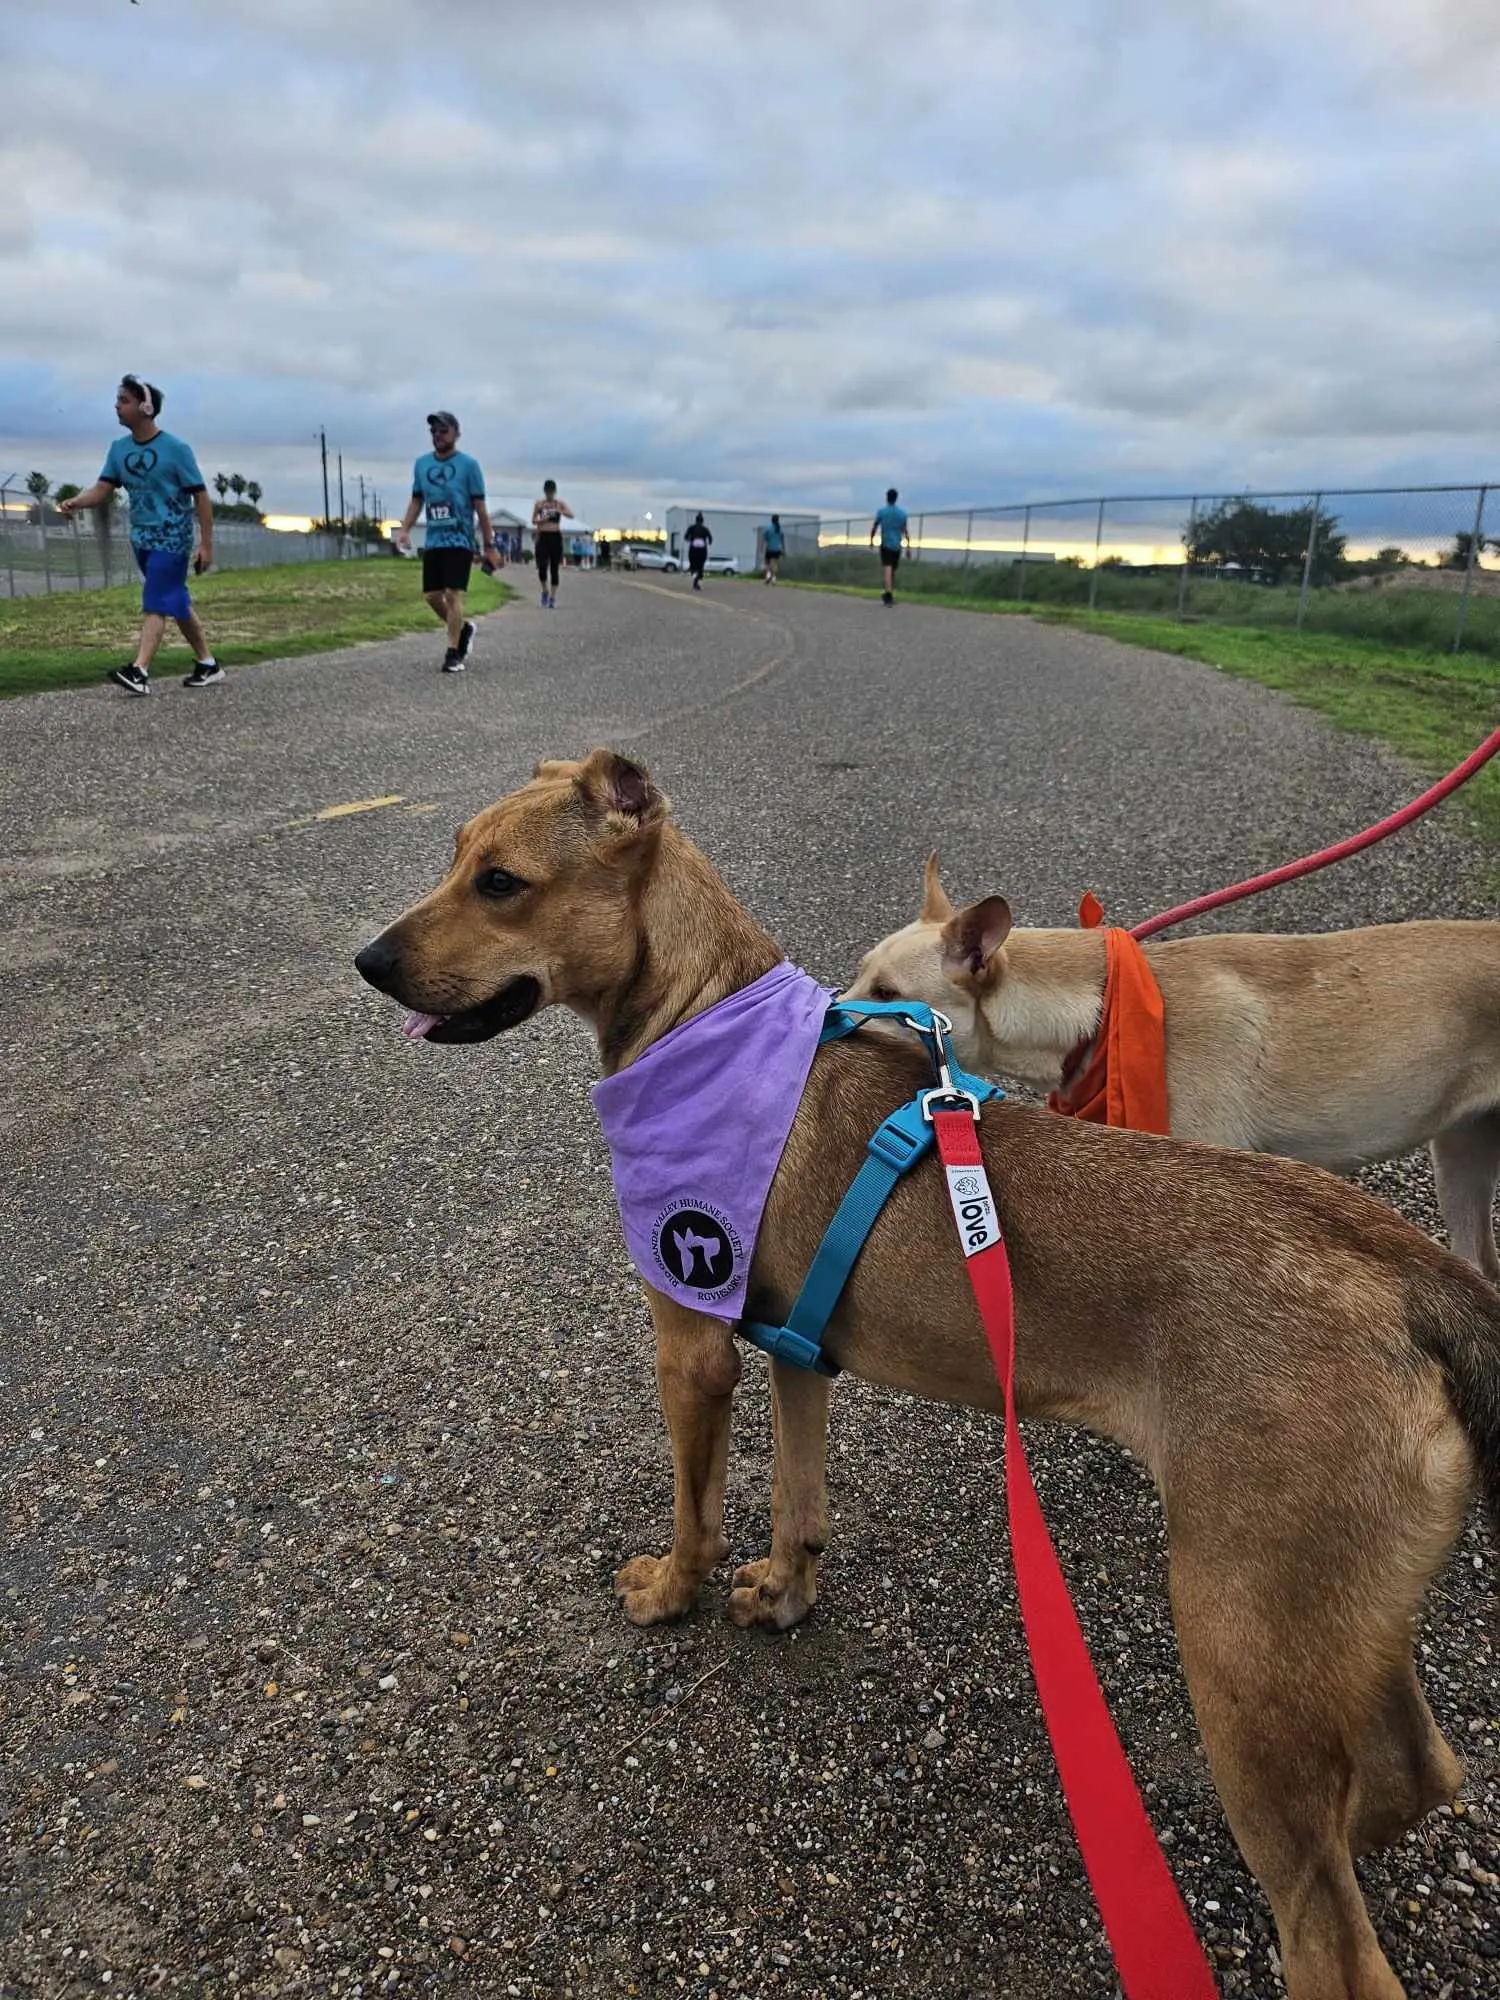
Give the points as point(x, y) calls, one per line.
point(1021, 565)
point(1187, 561)
point(1307, 562)
point(77, 549)
point(968, 538)
point(46, 553)
point(10, 557)
point(1094, 572)
point(1476, 542)
point(921, 535)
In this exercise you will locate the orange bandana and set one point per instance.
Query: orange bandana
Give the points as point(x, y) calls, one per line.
point(1123, 1078)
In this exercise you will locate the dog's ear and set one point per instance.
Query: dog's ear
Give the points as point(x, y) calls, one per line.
point(936, 908)
point(975, 934)
point(620, 791)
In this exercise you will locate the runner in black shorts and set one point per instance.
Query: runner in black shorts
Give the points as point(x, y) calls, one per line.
point(449, 486)
point(698, 537)
point(547, 517)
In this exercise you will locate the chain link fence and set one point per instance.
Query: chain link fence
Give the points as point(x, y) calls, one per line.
point(1414, 566)
point(41, 552)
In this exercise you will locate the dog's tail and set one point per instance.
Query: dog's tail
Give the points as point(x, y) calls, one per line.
point(1457, 1325)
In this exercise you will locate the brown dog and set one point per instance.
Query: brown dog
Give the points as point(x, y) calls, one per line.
point(1341, 1048)
point(1313, 1384)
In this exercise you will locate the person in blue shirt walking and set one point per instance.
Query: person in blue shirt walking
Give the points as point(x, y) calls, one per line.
point(167, 498)
point(890, 525)
point(450, 486)
point(775, 546)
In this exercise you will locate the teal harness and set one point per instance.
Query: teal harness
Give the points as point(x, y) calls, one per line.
point(894, 1149)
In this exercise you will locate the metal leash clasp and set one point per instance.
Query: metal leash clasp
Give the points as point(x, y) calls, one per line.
point(947, 1093)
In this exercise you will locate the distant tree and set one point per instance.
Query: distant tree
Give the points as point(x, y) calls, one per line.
point(1392, 558)
point(1458, 556)
point(221, 483)
point(1251, 536)
point(38, 485)
point(237, 484)
point(253, 491)
point(66, 491)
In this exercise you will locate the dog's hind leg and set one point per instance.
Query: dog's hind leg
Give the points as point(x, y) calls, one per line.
point(697, 1367)
point(1295, 1591)
point(1280, 1752)
point(1406, 1771)
point(1466, 1164)
point(782, 1588)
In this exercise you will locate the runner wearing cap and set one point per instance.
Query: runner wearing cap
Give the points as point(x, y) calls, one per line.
point(166, 489)
point(450, 486)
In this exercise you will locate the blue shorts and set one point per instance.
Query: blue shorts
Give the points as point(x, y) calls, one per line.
point(165, 590)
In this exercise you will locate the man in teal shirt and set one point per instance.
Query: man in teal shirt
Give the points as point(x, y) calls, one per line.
point(890, 525)
point(449, 485)
point(167, 496)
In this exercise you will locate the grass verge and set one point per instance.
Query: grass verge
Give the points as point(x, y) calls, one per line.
point(73, 640)
point(1432, 707)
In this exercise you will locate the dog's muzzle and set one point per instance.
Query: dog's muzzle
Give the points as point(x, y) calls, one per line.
point(380, 963)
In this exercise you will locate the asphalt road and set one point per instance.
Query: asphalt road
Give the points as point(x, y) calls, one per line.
point(328, 1393)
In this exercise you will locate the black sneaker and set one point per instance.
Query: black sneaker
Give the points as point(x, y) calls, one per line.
point(206, 674)
point(886, 597)
point(453, 661)
point(466, 640)
point(134, 679)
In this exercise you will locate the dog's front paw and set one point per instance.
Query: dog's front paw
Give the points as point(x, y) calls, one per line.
point(760, 1597)
point(651, 1591)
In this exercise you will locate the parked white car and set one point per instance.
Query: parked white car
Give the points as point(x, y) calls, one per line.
point(632, 556)
point(721, 565)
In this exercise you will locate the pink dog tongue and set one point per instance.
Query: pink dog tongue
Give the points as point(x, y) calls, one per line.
point(417, 1025)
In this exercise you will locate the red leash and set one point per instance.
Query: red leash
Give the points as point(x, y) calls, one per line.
point(1310, 864)
point(1156, 1952)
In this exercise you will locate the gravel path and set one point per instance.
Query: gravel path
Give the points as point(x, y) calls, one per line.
point(329, 1397)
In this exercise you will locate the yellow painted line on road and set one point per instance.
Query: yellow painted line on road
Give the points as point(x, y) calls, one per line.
point(360, 806)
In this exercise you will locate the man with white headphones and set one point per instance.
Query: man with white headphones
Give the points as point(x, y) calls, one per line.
point(166, 489)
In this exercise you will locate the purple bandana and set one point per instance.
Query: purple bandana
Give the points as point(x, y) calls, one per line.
point(696, 1128)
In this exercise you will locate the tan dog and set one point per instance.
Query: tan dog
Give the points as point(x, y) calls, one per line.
point(1313, 1384)
point(1342, 1048)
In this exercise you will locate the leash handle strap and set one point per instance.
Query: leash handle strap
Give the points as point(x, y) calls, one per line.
point(1156, 1951)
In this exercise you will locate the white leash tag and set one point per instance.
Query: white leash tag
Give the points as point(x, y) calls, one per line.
point(973, 1208)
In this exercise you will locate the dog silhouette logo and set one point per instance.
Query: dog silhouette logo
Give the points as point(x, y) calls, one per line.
point(967, 1184)
point(139, 463)
point(695, 1248)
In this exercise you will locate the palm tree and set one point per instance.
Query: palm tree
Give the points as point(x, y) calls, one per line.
point(221, 484)
point(237, 482)
point(253, 491)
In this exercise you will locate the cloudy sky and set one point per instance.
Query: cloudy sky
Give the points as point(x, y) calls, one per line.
point(983, 249)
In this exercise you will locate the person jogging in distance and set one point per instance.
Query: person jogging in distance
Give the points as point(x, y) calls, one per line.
point(775, 546)
point(547, 517)
point(698, 537)
point(890, 525)
point(160, 475)
point(449, 484)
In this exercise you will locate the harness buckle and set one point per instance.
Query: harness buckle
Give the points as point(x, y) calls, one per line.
point(948, 1097)
point(894, 1146)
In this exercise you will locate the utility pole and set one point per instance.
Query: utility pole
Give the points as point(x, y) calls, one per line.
point(364, 517)
point(341, 492)
point(323, 443)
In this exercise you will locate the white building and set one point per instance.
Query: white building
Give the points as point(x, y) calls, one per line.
point(739, 531)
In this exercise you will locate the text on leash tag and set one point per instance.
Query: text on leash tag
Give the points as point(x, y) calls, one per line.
point(973, 1208)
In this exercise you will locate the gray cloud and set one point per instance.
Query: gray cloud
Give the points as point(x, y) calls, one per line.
point(666, 254)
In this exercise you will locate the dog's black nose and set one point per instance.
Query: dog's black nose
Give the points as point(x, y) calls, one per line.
point(377, 963)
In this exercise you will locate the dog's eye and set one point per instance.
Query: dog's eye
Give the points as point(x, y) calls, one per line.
point(498, 882)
